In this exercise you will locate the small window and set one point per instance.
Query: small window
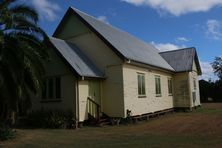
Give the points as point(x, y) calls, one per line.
point(58, 87)
point(158, 85)
point(141, 85)
point(50, 88)
point(170, 86)
point(194, 84)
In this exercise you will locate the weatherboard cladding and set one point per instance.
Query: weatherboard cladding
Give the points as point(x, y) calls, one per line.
point(181, 60)
point(77, 60)
point(125, 44)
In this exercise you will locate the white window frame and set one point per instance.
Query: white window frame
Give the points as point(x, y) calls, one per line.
point(158, 90)
point(170, 86)
point(141, 83)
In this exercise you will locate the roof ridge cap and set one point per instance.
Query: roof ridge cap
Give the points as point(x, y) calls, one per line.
point(187, 48)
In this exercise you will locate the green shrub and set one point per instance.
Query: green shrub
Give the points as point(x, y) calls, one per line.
point(50, 119)
point(6, 133)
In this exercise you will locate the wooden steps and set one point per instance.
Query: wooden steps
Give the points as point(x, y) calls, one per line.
point(104, 120)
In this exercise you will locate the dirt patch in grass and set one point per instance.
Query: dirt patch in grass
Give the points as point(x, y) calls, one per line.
point(212, 105)
point(200, 128)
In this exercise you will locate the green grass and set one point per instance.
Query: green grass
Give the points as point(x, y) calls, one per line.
point(200, 128)
point(208, 111)
point(209, 108)
point(62, 138)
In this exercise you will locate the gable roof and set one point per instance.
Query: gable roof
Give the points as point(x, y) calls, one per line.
point(123, 44)
point(182, 59)
point(76, 59)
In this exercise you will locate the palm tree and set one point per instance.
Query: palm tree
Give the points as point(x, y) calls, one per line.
point(22, 53)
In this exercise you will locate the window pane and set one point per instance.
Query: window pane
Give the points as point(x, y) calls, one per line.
point(194, 84)
point(141, 84)
point(44, 90)
point(50, 88)
point(159, 91)
point(58, 88)
point(170, 86)
point(158, 85)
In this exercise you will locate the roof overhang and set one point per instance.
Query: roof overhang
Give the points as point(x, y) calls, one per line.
point(197, 62)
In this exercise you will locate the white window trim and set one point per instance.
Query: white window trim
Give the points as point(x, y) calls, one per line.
point(170, 79)
point(160, 94)
point(141, 95)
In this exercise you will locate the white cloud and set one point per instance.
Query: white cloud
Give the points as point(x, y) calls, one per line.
point(207, 71)
point(178, 7)
point(167, 46)
point(214, 29)
point(47, 9)
point(103, 19)
point(182, 39)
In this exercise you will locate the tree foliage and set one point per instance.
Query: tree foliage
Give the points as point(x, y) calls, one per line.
point(217, 67)
point(210, 89)
point(22, 52)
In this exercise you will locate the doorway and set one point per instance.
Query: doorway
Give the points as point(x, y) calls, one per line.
point(94, 99)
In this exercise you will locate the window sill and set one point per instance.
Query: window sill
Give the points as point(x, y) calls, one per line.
point(50, 100)
point(142, 96)
point(159, 95)
point(170, 95)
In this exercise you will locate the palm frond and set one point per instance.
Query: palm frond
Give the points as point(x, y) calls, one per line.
point(23, 49)
point(5, 3)
point(37, 45)
point(23, 21)
point(25, 11)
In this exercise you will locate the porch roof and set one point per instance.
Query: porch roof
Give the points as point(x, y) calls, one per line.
point(80, 63)
point(182, 59)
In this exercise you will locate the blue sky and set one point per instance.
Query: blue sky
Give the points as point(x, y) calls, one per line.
point(167, 24)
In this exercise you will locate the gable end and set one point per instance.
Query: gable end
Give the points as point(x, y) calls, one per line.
point(71, 11)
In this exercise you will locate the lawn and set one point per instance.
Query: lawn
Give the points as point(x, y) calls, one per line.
point(200, 128)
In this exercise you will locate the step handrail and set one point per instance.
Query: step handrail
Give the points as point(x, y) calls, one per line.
point(97, 108)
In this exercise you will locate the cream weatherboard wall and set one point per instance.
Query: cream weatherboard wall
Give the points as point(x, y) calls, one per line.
point(56, 68)
point(72, 27)
point(112, 94)
point(193, 76)
point(181, 90)
point(151, 102)
point(184, 89)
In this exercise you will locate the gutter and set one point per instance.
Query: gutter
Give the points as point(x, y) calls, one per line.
point(77, 105)
point(144, 65)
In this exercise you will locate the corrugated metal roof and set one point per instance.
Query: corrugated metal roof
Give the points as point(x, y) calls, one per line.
point(181, 60)
point(127, 45)
point(78, 61)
